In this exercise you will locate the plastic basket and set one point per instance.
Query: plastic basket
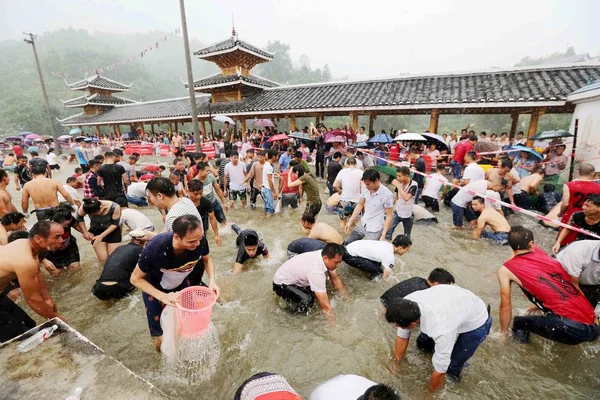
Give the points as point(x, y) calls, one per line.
point(194, 309)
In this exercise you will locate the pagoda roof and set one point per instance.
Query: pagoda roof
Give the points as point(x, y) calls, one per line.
point(96, 100)
point(230, 45)
point(465, 92)
point(99, 82)
point(218, 80)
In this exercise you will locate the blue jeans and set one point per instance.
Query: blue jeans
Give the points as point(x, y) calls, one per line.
point(464, 347)
point(555, 328)
point(458, 213)
point(138, 201)
point(407, 224)
point(498, 237)
point(219, 213)
point(456, 168)
point(267, 195)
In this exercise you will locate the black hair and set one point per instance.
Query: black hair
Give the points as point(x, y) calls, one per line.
point(118, 152)
point(3, 173)
point(351, 161)
point(99, 158)
point(262, 153)
point(161, 185)
point(109, 154)
point(251, 239)
point(594, 199)
point(299, 170)
point(122, 202)
point(186, 224)
point(176, 160)
point(41, 228)
point(519, 238)
point(479, 199)
point(402, 241)
point(506, 163)
point(34, 154)
point(473, 138)
point(17, 235)
point(308, 217)
point(38, 169)
point(483, 133)
point(78, 169)
point(337, 154)
point(91, 206)
point(71, 179)
point(199, 156)
point(201, 166)
point(332, 250)
point(298, 154)
point(402, 312)
point(12, 218)
point(93, 163)
point(403, 170)
point(195, 185)
point(133, 157)
point(293, 163)
point(472, 155)
point(380, 392)
point(548, 187)
point(62, 213)
point(272, 153)
point(234, 154)
point(371, 175)
point(442, 276)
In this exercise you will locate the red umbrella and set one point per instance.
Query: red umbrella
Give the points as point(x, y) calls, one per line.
point(334, 139)
point(278, 137)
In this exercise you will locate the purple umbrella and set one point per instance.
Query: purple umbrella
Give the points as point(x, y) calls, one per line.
point(13, 139)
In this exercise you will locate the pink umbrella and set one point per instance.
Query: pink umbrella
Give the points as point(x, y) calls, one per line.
point(279, 137)
point(342, 132)
point(334, 139)
point(64, 137)
point(262, 122)
point(32, 136)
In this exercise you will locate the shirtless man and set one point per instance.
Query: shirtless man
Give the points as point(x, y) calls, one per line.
point(489, 217)
point(20, 260)
point(44, 193)
point(530, 183)
point(319, 230)
point(504, 173)
point(14, 221)
point(6, 205)
point(10, 162)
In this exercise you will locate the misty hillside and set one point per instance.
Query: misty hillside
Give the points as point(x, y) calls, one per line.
point(68, 54)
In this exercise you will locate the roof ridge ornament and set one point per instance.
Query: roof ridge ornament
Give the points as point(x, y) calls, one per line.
point(233, 32)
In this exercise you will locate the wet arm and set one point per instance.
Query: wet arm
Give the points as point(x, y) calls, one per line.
point(215, 226)
point(437, 379)
point(237, 268)
point(336, 281)
point(388, 222)
point(480, 227)
point(34, 291)
point(25, 201)
point(359, 207)
point(400, 348)
point(209, 267)
point(565, 200)
point(220, 193)
point(324, 302)
point(505, 300)
point(138, 280)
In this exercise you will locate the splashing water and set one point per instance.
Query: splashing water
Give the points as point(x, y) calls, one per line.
point(196, 360)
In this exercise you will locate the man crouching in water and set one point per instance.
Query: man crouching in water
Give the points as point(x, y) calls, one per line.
point(20, 260)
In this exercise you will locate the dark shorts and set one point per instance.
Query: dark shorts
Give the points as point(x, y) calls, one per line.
point(154, 309)
point(346, 208)
point(44, 213)
point(85, 168)
point(219, 213)
point(456, 168)
point(289, 199)
point(55, 166)
point(431, 203)
point(298, 299)
point(114, 237)
point(116, 291)
point(304, 245)
point(65, 257)
point(313, 208)
point(13, 320)
point(233, 195)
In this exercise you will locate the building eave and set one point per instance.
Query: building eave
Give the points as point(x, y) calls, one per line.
point(230, 50)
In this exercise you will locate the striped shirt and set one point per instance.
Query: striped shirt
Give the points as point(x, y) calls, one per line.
point(183, 206)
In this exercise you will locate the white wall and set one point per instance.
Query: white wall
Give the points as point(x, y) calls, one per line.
point(588, 132)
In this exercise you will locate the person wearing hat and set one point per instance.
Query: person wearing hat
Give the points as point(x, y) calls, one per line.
point(114, 282)
point(248, 247)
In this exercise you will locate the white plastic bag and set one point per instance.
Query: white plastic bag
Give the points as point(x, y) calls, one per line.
point(278, 206)
point(170, 327)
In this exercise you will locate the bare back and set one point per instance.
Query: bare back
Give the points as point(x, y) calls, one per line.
point(494, 220)
point(530, 183)
point(6, 205)
point(326, 233)
point(43, 192)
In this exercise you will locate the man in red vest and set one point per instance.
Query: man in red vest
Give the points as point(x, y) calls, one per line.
point(568, 316)
point(458, 160)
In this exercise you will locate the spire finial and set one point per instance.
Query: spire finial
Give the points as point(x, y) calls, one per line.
point(233, 32)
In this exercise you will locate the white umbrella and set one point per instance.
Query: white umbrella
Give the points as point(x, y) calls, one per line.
point(410, 137)
point(223, 118)
point(262, 122)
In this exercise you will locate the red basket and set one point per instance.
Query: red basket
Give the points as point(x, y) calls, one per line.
point(194, 308)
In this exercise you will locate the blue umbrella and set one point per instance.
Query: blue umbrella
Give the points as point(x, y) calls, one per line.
point(300, 135)
point(526, 149)
point(381, 138)
point(75, 131)
point(561, 133)
point(361, 145)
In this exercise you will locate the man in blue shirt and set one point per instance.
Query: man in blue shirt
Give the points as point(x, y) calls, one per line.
point(165, 265)
point(285, 158)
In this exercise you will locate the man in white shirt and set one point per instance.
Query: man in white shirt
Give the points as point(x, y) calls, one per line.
point(134, 220)
point(235, 172)
point(453, 323)
point(376, 256)
point(136, 194)
point(377, 202)
point(129, 166)
point(267, 190)
point(52, 159)
point(581, 260)
point(161, 193)
point(70, 187)
point(366, 159)
point(361, 136)
point(352, 387)
point(465, 195)
point(348, 183)
point(473, 172)
point(406, 190)
point(431, 191)
point(302, 278)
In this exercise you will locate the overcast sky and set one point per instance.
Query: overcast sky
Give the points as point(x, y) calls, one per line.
point(360, 39)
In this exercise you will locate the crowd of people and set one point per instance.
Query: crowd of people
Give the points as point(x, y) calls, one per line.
point(195, 194)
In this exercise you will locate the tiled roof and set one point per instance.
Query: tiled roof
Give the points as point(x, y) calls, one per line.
point(514, 88)
point(220, 80)
point(232, 44)
point(588, 88)
point(99, 82)
point(97, 100)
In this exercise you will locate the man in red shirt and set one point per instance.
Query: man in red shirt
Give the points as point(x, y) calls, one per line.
point(458, 160)
point(569, 316)
point(289, 196)
point(18, 150)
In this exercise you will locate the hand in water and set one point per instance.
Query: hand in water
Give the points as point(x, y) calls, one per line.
point(218, 240)
point(51, 268)
point(215, 288)
point(347, 228)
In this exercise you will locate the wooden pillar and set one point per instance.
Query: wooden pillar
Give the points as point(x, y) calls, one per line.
point(372, 118)
point(533, 124)
point(170, 129)
point(292, 124)
point(152, 128)
point(98, 131)
point(354, 121)
point(243, 125)
point(433, 120)
point(203, 123)
point(176, 128)
point(514, 124)
point(143, 130)
point(115, 130)
point(118, 131)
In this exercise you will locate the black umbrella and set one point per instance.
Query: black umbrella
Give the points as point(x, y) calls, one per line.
point(560, 133)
